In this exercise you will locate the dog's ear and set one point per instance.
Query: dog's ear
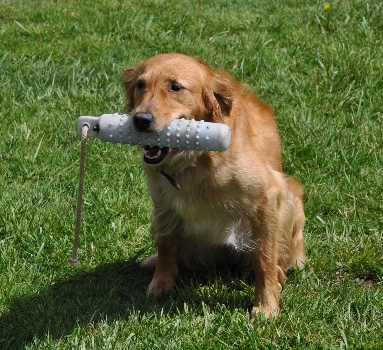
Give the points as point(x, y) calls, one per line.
point(218, 96)
point(129, 79)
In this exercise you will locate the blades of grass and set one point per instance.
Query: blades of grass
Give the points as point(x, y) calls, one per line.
point(22, 27)
point(38, 148)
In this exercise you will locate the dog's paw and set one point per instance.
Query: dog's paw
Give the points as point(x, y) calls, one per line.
point(265, 310)
point(150, 262)
point(160, 286)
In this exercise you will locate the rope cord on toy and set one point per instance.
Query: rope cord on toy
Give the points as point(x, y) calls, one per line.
point(73, 259)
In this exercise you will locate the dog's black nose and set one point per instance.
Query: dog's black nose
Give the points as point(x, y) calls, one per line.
point(143, 120)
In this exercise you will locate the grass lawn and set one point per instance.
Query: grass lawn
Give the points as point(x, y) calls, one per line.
point(320, 65)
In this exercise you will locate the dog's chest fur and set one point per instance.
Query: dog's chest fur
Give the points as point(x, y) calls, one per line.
point(209, 217)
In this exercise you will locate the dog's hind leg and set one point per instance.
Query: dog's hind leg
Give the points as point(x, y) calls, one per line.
point(150, 262)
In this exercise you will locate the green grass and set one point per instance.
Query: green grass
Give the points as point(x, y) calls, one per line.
point(320, 69)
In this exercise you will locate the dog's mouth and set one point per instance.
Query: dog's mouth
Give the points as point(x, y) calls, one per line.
point(155, 155)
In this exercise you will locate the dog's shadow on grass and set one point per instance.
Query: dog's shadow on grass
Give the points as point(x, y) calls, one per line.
point(110, 292)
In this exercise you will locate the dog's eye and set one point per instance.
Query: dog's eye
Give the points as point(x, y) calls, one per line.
point(140, 85)
point(175, 87)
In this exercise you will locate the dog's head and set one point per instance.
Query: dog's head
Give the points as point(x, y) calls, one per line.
point(173, 86)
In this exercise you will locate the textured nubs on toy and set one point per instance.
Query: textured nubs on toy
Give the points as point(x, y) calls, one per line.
point(179, 134)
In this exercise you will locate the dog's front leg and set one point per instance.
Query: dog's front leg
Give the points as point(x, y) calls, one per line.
point(166, 270)
point(266, 233)
point(266, 285)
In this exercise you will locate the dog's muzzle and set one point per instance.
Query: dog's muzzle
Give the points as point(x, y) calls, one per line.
point(155, 155)
point(143, 121)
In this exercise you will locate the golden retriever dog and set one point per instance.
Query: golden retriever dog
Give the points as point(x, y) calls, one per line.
point(234, 208)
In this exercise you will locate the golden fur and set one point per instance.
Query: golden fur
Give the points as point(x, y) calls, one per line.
point(233, 207)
